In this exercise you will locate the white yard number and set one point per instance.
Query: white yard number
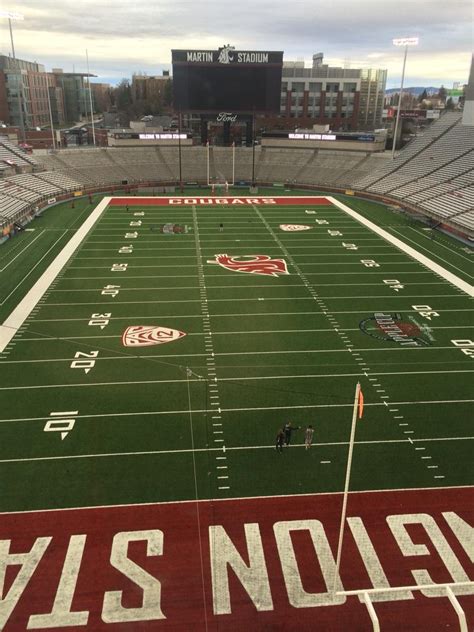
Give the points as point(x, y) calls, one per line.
point(110, 290)
point(425, 311)
point(85, 365)
point(125, 250)
point(119, 267)
point(394, 284)
point(321, 221)
point(137, 223)
point(350, 246)
point(62, 422)
point(466, 346)
point(100, 320)
point(335, 233)
point(131, 235)
point(370, 263)
point(139, 214)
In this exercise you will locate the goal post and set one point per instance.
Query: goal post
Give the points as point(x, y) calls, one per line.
point(368, 598)
point(220, 182)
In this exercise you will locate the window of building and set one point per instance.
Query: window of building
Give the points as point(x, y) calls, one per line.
point(315, 87)
point(297, 86)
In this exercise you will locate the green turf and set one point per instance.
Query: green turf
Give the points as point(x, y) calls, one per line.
point(285, 348)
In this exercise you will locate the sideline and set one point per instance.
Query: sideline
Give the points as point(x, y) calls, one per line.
point(29, 302)
point(411, 252)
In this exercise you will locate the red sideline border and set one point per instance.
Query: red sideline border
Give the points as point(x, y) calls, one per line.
point(206, 200)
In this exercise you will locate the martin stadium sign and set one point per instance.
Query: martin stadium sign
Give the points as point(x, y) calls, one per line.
point(227, 55)
point(227, 81)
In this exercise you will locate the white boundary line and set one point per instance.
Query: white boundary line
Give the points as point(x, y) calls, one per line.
point(29, 302)
point(411, 252)
point(227, 500)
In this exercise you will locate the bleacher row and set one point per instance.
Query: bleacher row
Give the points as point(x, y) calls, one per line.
point(434, 173)
point(21, 192)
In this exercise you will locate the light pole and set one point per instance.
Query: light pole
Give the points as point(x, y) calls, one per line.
point(90, 98)
point(401, 41)
point(16, 16)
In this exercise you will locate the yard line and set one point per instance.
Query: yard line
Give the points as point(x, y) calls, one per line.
point(268, 298)
point(219, 449)
point(233, 315)
point(210, 274)
point(253, 409)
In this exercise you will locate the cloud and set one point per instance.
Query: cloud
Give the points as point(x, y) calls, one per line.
point(130, 35)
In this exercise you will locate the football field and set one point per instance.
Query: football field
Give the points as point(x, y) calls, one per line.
point(144, 379)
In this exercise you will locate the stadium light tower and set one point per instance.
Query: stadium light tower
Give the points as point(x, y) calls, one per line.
point(16, 16)
point(401, 41)
point(10, 15)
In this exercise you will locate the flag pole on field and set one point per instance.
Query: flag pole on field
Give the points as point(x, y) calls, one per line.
point(358, 408)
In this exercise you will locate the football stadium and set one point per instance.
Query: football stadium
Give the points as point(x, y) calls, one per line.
point(236, 381)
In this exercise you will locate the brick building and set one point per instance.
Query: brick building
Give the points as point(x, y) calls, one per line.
point(344, 98)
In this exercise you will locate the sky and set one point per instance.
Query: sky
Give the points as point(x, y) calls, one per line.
point(123, 37)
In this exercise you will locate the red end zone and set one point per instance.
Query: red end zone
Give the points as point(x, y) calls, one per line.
point(269, 565)
point(204, 200)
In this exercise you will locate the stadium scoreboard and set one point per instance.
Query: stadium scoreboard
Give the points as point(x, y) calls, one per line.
point(227, 80)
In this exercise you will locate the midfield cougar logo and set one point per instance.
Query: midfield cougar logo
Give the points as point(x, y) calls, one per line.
point(224, 55)
point(260, 264)
point(148, 335)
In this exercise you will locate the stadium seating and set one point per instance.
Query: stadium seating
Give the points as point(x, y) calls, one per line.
point(433, 175)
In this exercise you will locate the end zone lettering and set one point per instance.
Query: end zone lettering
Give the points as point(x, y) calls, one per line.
point(208, 201)
point(97, 568)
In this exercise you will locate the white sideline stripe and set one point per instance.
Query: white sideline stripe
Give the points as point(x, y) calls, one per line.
point(31, 270)
point(234, 499)
point(18, 316)
point(238, 410)
point(411, 252)
point(219, 449)
point(22, 251)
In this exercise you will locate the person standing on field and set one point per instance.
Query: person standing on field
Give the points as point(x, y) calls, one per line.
point(289, 429)
point(308, 437)
point(280, 440)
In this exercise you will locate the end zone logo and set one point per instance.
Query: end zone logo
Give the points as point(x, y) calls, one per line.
point(148, 335)
point(393, 328)
point(259, 264)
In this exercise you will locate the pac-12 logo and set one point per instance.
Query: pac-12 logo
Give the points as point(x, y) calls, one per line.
point(259, 264)
point(148, 335)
